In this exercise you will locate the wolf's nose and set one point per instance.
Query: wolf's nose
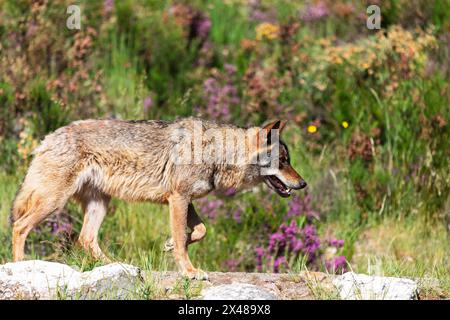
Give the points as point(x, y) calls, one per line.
point(303, 184)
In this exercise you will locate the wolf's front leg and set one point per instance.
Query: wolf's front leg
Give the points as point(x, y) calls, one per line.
point(195, 223)
point(178, 206)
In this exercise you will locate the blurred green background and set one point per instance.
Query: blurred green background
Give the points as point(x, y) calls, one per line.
point(368, 128)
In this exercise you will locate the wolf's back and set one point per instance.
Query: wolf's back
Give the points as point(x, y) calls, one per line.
point(110, 144)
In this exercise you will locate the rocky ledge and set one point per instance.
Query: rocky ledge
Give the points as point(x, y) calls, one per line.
point(37, 279)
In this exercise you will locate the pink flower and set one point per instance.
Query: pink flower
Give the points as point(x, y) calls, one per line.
point(148, 103)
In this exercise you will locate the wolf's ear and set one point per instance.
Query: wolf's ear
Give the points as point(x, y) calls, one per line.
point(262, 136)
point(277, 124)
point(282, 125)
point(272, 125)
point(266, 132)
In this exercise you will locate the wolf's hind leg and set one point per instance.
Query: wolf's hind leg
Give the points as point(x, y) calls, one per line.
point(95, 205)
point(198, 229)
point(40, 208)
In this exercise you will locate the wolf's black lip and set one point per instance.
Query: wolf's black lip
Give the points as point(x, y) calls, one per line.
point(276, 184)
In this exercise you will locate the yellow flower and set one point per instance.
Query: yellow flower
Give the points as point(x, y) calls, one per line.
point(312, 129)
point(267, 30)
point(345, 124)
point(365, 65)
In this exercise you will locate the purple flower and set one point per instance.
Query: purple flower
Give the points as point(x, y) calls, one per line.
point(62, 228)
point(200, 26)
point(291, 241)
point(314, 12)
point(259, 251)
point(203, 28)
point(337, 264)
point(230, 192)
point(311, 242)
point(336, 243)
point(205, 54)
point(220, 94)
point(229, 89)
point(256, 12)
point(279, 262)
point(229, 68)
point(108, 6)
point(209, 207)
point(148, 103)
point(301, 206)
point(237, 215)
point(58, 225)
point(296, 245)
point(277, 242)
point(232, 264)
point(209, 85)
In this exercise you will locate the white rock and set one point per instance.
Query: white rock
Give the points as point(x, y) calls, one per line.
point(37, 279)
point(354, 286)
point(237, 291)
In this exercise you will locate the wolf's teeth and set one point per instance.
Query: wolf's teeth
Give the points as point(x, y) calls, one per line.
point(288, 189)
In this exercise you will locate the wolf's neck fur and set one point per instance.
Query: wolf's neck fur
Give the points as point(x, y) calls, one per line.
point(236, 177)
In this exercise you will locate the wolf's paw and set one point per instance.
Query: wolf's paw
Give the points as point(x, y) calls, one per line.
point(196, 274)
point(168, 246)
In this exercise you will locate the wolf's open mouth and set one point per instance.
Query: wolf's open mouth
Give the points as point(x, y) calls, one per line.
point(276, 184)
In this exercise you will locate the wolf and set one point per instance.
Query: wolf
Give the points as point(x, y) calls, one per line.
point(92, 161)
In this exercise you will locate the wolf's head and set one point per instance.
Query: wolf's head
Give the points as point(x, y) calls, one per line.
point(275, 163)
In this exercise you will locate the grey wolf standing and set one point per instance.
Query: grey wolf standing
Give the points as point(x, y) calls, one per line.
point(94, 160)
